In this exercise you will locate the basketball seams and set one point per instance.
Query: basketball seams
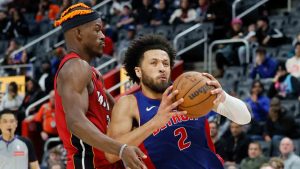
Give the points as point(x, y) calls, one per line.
point(192, 87)
point(178, 82)
point(197, 103)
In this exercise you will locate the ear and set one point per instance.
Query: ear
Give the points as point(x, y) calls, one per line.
point(78, 33)
point(138, 72)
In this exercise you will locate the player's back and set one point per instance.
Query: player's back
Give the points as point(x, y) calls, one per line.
point(181, 143)
point(78, 152)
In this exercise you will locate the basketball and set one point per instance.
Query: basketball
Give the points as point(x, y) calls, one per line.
point(192, 87)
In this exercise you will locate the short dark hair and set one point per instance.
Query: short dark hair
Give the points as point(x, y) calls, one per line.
point(6, 111)
point(257, 143)
point(135, 52)
point(261, 50)
point(264, 18)
point(14, 87)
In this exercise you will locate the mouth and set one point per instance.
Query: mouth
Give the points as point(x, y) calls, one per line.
point(9, 130)
point(163, 78)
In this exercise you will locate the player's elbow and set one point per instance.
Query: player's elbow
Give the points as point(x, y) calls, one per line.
point(111, 158)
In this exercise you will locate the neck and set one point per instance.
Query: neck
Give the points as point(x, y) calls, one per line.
point(73, 47)
point(214, 138)
point(8, 137)
point(150, 93)
point(81, 54)
point(285, 156)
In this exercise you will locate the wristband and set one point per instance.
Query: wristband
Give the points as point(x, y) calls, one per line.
point(121, 150)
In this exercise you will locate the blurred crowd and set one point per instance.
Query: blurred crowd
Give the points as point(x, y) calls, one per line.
point(272, 81)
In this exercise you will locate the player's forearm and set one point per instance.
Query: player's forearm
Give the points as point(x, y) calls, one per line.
point(91, 135)
point(134, 138)
point(235, 110)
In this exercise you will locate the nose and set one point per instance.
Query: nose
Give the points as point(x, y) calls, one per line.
point(102, 36)
point(161, 67)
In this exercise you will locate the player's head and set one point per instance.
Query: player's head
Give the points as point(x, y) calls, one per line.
point(8, 122)
point(82, 29)
point(254, 150)
point(148, 61)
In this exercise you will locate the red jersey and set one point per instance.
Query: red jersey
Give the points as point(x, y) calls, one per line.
point(79, 154)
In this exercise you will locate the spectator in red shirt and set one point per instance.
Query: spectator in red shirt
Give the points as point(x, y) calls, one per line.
point(46, 116)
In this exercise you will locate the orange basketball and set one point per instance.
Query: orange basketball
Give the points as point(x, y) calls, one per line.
point(192, 87)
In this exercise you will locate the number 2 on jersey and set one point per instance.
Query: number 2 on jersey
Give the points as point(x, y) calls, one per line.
point(182, 144)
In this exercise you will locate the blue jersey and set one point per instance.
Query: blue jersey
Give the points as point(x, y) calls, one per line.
point(180, 144)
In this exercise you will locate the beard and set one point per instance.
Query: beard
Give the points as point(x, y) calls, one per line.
point(155, 86)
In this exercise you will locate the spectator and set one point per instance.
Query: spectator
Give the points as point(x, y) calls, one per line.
point(184, 14)
point(126, 18)
point(144, 14)
point(47, 11)
point(117, 7)
point(219, 13)
point(46, 81)
point(124, 44)
point(218, 142)
point(16, 152)
point(12, 100)
point(201, 10)
point(276, 163)
point(258, 102)
point(55, 157)
point(293, 64)
point(161, 14)
point(228, 55)
point(255, 157)
point(266, 166)
point(18, 27)
point(15, 58)
point(236, 145)
point(33, 93)
point(3, 25)
point(285, 85)
point(265, 66)
point(46, 116)
point(266, 35)
point(279, 124)
point(291, 160)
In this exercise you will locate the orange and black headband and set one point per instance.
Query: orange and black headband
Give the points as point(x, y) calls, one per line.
point(69, 20)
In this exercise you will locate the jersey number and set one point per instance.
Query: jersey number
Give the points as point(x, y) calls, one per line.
point(182, 144)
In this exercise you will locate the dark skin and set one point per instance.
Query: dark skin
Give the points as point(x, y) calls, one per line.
point(74, 84)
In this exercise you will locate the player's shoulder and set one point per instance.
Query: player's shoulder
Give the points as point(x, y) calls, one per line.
point(75, 68)
point(126, 102)
point(126, 99)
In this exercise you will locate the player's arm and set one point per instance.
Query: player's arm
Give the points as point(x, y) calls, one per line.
point(73, 80)
point(228, 106)
point(34, 165)
point(124, 112)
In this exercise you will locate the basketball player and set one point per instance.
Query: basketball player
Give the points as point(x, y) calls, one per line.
point(82, 104)
point(182, 142)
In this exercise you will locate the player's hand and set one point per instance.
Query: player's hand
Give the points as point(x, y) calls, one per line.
point(167, 107)
point(218, 89)
point(131, 158)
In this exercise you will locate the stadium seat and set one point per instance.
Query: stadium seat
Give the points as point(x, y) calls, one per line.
point(277, 21)
point(292, 106)
point(266, 148)
point(297, 146)
point(165, 31)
